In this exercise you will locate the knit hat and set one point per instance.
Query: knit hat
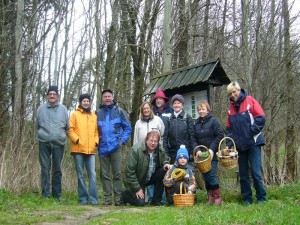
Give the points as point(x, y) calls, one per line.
point(178, 97)
point(107, 90)
point(52, 88)
point(182, 152)
point(159, 94)
point(83, 96)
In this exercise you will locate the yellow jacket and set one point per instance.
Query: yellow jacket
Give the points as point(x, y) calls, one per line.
point(84, 129)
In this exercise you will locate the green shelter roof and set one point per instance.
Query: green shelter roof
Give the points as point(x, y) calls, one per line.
point(209, 72)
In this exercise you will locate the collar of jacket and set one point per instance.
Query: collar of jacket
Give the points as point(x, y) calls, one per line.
point(177, 165)
point(49, 106)
point(81, 109)
point(203, 120)
point(113, 104)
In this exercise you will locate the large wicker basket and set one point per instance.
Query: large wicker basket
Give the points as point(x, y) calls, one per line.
point(205, 165)
point(228, 161)
point(183, 199)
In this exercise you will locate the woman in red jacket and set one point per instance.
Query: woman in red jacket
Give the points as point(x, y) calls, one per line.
point(83, 133)
point(245, 122)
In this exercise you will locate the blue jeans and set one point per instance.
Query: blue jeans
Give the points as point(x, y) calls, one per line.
point(150, 192)
point(46, 150)
point(88, 161)
point(251, 158)
point(210, 178)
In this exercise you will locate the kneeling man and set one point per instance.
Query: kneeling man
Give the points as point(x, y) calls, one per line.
point(146, 164)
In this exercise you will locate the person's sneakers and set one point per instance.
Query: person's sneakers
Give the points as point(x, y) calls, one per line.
point(83, 203)
point(94, 203)
point(259, 202)
point(59, 199)
point(247, 203)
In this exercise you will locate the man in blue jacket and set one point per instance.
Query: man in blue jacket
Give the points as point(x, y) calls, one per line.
point(114, 131)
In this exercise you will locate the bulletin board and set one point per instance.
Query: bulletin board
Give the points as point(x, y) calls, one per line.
point(191, 101)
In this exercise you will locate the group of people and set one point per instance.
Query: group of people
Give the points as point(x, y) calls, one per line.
point(161, 158)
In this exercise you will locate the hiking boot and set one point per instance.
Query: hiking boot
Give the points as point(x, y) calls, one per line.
point(210, 197)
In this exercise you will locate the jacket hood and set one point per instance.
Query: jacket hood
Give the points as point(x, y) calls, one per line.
point(159, 94)
point(239, 100)
point(241, 97)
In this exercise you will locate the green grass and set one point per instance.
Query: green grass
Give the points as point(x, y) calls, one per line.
point(282, 207)
point(31, 208)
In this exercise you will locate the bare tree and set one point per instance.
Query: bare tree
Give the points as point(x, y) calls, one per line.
point(290, 144)
point(17, 113)
point(167, 49)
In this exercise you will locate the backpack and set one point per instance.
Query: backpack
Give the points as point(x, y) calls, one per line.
point(183, 119)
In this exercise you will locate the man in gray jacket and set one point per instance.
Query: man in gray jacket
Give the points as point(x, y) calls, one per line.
point(52, 124)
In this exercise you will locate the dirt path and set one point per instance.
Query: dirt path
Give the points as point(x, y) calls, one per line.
point(91, 212)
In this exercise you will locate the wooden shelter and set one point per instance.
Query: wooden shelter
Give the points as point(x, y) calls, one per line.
point(195, 83)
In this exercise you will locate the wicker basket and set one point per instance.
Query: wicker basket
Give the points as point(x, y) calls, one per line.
point(183, 199)
point(228, 161)
point(205, 165)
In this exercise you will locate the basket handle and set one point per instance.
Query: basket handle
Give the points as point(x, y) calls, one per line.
point(182, 187)
point(219, 148)
point(199, 146)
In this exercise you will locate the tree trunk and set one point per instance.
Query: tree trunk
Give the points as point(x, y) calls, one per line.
point(206, 31)
point(17, 110)
point(167, 46)
point(290, 144)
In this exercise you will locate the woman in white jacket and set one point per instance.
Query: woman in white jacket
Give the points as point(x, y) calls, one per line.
point(147, 122)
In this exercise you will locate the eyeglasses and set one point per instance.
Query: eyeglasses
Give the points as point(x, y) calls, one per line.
point(153, 141)
point(52, 94)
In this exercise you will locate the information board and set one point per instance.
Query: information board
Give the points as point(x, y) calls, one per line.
point(191, 101)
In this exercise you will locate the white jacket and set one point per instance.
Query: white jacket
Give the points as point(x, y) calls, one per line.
point(141, 128)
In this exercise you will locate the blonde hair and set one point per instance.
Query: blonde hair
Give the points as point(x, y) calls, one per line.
point(141, 110)
point(205, 103)
point(233, 85)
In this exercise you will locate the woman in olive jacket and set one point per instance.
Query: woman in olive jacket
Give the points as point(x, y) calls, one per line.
point(83, 133)
point(209, 132)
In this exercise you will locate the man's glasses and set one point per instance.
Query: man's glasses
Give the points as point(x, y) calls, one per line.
point(52, 94)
